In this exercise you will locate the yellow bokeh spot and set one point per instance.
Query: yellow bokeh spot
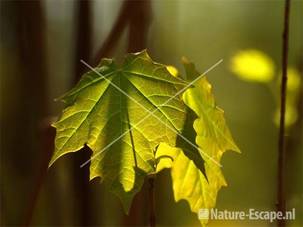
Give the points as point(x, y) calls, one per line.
point(291, 115)
point(172, 70)
point(252, 65)
point(293, 80)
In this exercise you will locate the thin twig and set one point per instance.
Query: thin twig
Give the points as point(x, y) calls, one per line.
point(281, 149)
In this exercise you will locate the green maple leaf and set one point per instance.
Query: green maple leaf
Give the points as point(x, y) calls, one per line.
point(199, 186)
point(132, 118)
point(110, 109)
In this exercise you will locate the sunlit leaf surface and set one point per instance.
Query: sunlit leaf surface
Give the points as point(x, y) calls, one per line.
point(141, 117)
point(213, 139)
point(117, 125)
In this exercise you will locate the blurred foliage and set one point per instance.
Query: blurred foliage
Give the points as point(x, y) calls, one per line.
point(291, 115)
point(292, 98)
point(293, 79)
point(253, 65)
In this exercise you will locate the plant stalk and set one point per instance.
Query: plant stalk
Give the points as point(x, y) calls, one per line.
point(281, 206)
point(152, 207)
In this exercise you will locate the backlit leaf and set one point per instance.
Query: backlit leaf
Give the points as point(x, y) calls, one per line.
point(141, 117)
point(110, 109)
point(213, 139)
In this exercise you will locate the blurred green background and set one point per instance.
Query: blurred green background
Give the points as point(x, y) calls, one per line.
point(42, 43)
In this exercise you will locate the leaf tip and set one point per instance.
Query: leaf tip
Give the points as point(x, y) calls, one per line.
point(51, 162)
point(143, 53)
point(237, 149)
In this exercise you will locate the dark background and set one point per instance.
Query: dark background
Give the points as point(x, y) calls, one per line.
point(42, 43)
